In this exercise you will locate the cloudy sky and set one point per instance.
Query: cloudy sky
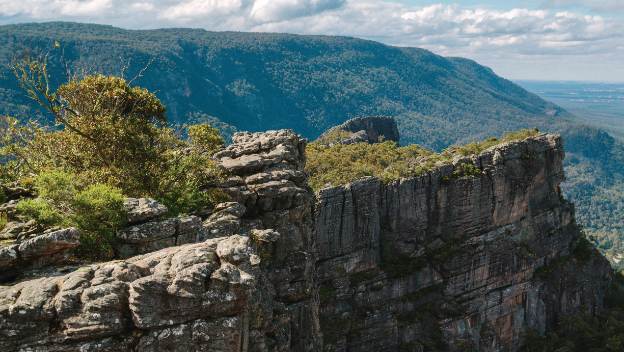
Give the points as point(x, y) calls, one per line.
point(530, 39)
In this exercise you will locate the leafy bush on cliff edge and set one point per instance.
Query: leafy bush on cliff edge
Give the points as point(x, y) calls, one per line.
point(110, 140)
point(338, 164)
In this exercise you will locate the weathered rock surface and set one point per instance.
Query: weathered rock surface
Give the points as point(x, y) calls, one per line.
point(371, 129)
point(199, 297)
point(475, 261)
point(37, 252)
point(251, 289)
point(154, 235)
point(140, 210)
point(16, 230)
point(268, 180)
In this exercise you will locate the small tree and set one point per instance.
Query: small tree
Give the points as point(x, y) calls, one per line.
point(112, 133)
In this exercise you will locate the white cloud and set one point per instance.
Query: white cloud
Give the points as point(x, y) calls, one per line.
point(198, 9)
point(280, 10)
point(596, 5)
point(81, 8)
point(488, 35)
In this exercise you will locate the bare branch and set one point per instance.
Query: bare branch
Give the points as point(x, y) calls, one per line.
point(141, 71)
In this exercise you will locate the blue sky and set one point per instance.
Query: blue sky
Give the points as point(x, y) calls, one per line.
point(531, 39)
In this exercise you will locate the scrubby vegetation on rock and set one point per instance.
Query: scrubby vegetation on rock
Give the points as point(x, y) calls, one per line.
point(337, 164)
point(110, 141)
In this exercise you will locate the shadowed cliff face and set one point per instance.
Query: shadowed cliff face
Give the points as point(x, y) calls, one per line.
point(476, 261)
point(437, 262)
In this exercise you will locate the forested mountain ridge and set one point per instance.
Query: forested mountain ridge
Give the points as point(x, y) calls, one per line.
point(256, 81)
point(259, 81)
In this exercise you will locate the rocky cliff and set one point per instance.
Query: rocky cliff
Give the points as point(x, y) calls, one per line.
point(437, 262)
point(474, 261)
point(247, 285)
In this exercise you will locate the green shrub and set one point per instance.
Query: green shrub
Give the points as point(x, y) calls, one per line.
point(334, 136)
point(478, 147)
point(3, 196)
point(188, 184)
point(520, 134)
point(340, 164)
point(466, 169)
point(56, 185)
point(113, 139)
point(111, 133)
point(40, 210)
point(98, 213)
point(205, 138)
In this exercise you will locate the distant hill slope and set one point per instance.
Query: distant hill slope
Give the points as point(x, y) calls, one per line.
point(309, 83)
point(252, 81)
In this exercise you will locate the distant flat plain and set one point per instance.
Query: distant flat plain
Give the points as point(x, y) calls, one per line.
point(597, 104)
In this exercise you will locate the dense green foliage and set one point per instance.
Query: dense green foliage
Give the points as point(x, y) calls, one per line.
point(595, 182)
point(111, 140)
point(41, 210)
point(338, 164)
point(115, 134)
point(96, 209)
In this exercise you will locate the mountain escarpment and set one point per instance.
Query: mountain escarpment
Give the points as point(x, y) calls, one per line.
point(477, 261)
point(443, 261)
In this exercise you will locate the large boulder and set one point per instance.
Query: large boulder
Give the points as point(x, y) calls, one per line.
point(140, 210)
point(373, 129)
point(37, 252)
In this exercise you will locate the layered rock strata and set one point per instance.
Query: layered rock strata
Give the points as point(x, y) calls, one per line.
point(475, 260)
point(248, 286)
point(37, 252)
point(268, 179)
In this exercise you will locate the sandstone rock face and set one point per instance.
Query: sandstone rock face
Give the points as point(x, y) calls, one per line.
point(249, 285)
point(371, 129)
point(198, 297)
point(473, 261)
point(148, 232)
point(37, 251)
point(154, 235)
point(270, 186)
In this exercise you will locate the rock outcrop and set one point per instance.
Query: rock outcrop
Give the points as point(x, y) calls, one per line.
point(371, 129)
point(147, 231)
point(476, 261)
point(37, 252)
point(268, 179)
point(431, 263)
point(247, 286)
point(206, 296)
